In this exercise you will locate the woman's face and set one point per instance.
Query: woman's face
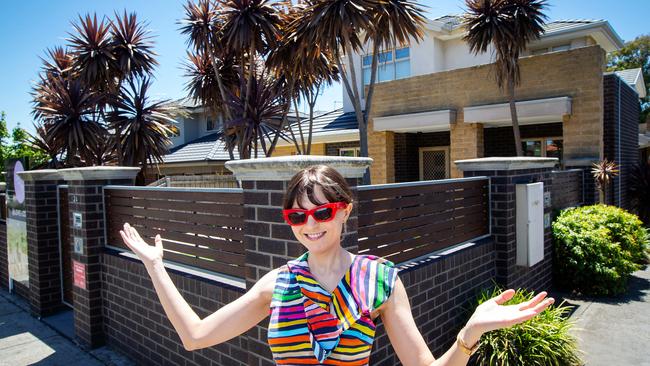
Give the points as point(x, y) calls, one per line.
point(323, 236)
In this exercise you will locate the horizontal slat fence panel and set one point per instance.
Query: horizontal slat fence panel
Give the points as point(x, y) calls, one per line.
point(567, 188)
point(403, 221)
point(201, 228)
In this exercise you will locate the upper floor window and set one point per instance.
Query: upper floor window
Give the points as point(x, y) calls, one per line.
point(562, 47)
point(210, 124)
point(174, 131)
point(392, 65)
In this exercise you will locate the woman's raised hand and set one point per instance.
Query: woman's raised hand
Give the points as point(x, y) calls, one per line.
point(148, 254)
point(492, 315)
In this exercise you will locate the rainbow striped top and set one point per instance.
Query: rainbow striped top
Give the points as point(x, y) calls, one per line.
point(310, 326)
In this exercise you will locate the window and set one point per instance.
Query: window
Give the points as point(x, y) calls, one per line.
point(549, 147)
point(350, 151)
point(175, 131)
point(562, 47)
point(392, 65)
point(210, 125)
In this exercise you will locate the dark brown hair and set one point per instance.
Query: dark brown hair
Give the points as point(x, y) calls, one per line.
point(334, 186)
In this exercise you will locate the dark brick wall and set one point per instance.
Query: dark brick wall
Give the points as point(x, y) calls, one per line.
point(620, 135)
point(439, 292)
point(87, 197)
point(270, 243)
point(407, 156)
point(504, 223)
point(500, 141)
point(333, 149)
point(43, 247)
point(567, 189)
point(4, 259)
point(135, 322)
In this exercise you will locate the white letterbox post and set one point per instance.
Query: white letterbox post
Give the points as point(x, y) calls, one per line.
point(530, 223)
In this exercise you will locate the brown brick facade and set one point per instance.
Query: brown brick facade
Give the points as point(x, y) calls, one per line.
point(576, 73)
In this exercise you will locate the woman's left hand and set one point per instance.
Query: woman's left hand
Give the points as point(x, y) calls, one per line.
point(492, 315)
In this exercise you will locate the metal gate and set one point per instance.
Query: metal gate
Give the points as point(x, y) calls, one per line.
point(65, 249)
point(434, 163)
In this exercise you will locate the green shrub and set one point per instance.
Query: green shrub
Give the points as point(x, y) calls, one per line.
point(597, 248)
point(543, 340)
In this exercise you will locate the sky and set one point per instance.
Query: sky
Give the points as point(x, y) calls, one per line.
point(29, 27)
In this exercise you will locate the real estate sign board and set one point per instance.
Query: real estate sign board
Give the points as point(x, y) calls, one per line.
point(16, 223)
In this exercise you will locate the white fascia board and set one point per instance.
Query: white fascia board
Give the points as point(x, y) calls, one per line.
point(528, 112)
point(639, 84)
point(432, 121)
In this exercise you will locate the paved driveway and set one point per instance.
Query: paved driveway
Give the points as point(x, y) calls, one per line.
point(616, 331)
point(24, 340)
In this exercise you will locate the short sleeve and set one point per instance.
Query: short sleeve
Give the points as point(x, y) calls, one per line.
point(386, 277)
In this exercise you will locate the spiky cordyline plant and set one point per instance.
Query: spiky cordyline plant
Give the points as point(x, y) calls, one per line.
point(203, 27)
point(257, 118)
point(144, 124)
point(59, 63)
point(604, 172)
point(508, 26)
point(92, 46)
point(202, 86)
point(132, 46)
point(66, 109)
point(338, 25)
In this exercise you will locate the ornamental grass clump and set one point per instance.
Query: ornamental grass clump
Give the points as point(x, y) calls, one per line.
point(597, 248)
point(543, 340)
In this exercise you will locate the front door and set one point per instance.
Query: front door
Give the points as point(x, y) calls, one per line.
point(434, 163)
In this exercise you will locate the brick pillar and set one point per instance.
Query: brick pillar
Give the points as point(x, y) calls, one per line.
point(466, 140)
point(590, 191)
point(505, 174)
point(269, 241)
point(43, 241)
point(86, 206)
point(381, 148)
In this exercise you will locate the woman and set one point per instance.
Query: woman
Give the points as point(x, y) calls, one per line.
point(324, 303)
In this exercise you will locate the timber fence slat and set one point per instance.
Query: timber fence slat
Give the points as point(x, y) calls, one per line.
point(404, 222)
point(199, 228)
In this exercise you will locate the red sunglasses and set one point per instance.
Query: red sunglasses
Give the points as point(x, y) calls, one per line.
point(324, 213)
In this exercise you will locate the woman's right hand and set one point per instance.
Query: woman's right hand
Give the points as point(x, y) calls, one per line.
point(148, 254)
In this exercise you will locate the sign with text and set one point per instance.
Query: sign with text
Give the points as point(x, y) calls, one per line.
point(79, 270)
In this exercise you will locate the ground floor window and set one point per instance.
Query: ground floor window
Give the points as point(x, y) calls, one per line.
point(434, 163)
point(549, 147)
point(350, 151)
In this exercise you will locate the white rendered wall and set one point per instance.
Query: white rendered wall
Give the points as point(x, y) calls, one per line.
point(457, 56)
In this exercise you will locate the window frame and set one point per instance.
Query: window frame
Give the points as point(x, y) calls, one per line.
point(542, 141)
point(393, 61)
point(356, 151)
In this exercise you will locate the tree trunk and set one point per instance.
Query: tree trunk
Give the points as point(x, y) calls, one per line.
point(302, 137)
point(515, 119)
point(222, 89)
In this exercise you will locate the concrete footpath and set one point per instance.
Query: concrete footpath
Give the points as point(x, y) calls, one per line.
point(609, 331)
point(25, 340)
point(615, 331)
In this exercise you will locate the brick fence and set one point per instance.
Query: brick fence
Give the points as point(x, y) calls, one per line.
point(128, 316)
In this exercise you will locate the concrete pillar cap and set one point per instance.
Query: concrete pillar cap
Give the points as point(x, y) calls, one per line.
point(285, 167)
point(505, 163)
point(41, 174)
point(3, 186)
point(99, 172)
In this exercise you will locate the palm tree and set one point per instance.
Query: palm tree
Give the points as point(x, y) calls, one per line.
point(203, 26)
point(604, 172)
point(132, 46)
point(339, 25)
point(508, 26)
point(145, 124)
point(305, 75)
point(66, 109)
